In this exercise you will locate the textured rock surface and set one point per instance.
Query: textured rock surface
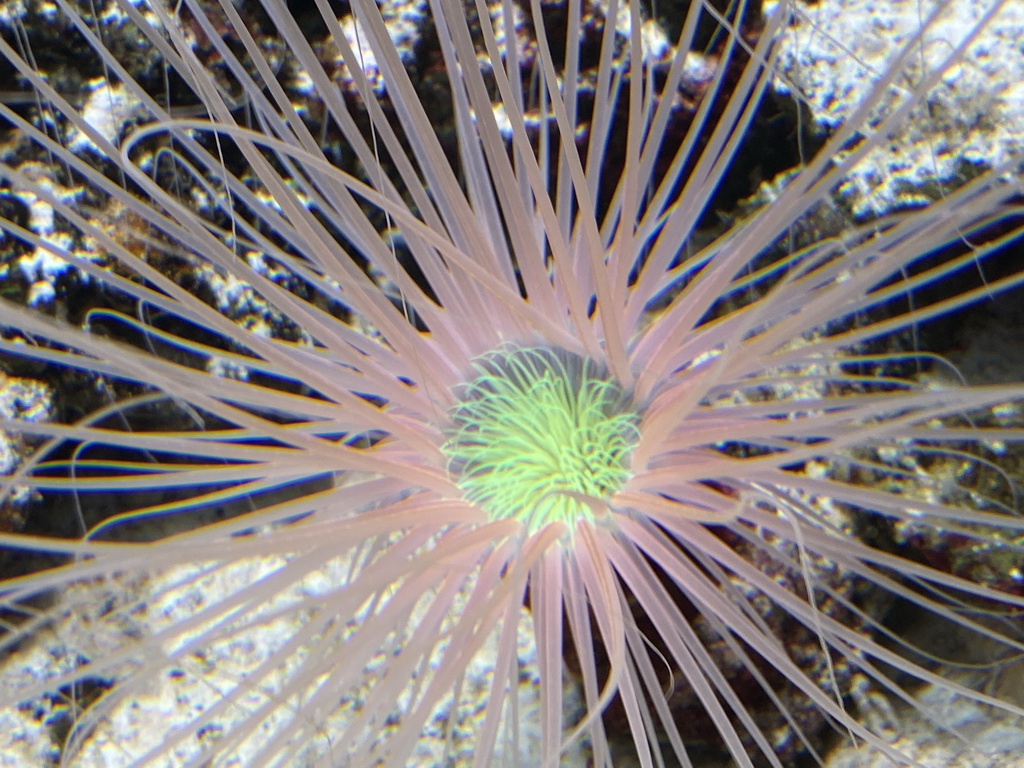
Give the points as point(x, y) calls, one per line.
point(990, 739)
point(834, 51)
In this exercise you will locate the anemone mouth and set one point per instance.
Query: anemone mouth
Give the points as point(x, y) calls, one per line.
point(541, 435)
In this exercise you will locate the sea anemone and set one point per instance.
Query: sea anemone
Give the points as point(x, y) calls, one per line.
point(419, 349)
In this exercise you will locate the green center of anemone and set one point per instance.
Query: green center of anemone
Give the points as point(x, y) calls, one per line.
point(541, 436)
